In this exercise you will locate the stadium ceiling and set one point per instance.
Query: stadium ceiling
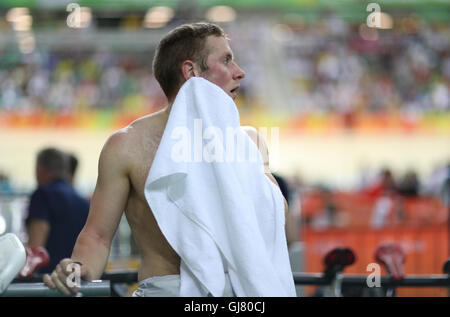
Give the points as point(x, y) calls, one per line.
point(438, 10)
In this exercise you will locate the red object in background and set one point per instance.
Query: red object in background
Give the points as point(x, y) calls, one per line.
point(336, 260)
point(392, 257)
point(424, 246)
point(339, 256)
point(36, 258)
point(356, 209)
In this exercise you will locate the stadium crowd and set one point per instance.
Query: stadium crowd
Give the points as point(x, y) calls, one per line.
point(334, 66)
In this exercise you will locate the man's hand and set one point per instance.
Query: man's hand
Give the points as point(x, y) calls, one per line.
point(65, 276)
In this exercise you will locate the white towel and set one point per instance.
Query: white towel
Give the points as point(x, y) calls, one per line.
point(219, 212)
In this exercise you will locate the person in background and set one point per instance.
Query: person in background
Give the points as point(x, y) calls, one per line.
point(73, 165)
point(384, 185)
point(5, 184)
point(445, 191)
point(409, 185)
point(291, 229)
point(56, 212)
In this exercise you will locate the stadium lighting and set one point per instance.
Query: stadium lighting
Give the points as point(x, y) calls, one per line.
point(20, 19)
point(15, 13)
point(386, 21)
point(221, 14)
point(85, 18)
point(157, 17)
point(23, 23)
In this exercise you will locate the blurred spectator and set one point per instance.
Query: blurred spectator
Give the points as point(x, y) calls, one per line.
point(327, 217)
point(291, 228)
point(56, 213)
point(381, 211)
point(73, 165)
point(409, 186)
point(66, 82)
point(383, 185)
point(284, 187)
point(332, 68)
point(296, 187)
point(445, 192)
point(384, 189)
point(5, 185)
point(345, 72)
point(434, 182)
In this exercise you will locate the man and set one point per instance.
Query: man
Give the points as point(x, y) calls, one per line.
point(73, 165)
point(56, 212)
point(198, 49)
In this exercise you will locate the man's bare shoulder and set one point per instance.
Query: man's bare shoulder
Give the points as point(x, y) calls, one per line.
point(115, 149)
point(125, 137)
point(152, 123)
point(251, 131)
point(256, 137)
point(123, 142)
point(118, 139)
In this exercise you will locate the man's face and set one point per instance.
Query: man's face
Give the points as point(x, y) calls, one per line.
point(222, 70)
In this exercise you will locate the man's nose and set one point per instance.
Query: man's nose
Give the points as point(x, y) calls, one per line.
point(239, 73)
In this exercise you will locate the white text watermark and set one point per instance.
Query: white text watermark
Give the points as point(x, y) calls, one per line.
point(232, 144)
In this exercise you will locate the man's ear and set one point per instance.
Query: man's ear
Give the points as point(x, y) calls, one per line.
point(188, 69)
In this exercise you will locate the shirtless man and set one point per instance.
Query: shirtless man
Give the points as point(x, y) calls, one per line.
point(199, 49)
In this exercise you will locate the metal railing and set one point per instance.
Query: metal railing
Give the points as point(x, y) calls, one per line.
point(437, 280)
point(102, 288)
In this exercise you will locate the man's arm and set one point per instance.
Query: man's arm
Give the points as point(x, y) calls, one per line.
point(38, 230)
point(38, 219)
point(108, 202)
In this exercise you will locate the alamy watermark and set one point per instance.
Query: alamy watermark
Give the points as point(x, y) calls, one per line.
point(79, 17)
point(74, 17)
point(232, 144)
point(374, 278)
point(374, 18)
point(74, 278)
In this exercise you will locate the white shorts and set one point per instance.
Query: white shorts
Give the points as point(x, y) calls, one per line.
point(169, 286)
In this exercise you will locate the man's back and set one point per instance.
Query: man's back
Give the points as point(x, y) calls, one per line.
point(142, 138)
point(65, 211)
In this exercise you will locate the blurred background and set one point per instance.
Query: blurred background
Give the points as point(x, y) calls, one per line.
point(356, 108)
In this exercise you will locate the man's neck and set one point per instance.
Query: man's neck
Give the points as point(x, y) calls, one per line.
point(50, 181)
point(168, 108)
